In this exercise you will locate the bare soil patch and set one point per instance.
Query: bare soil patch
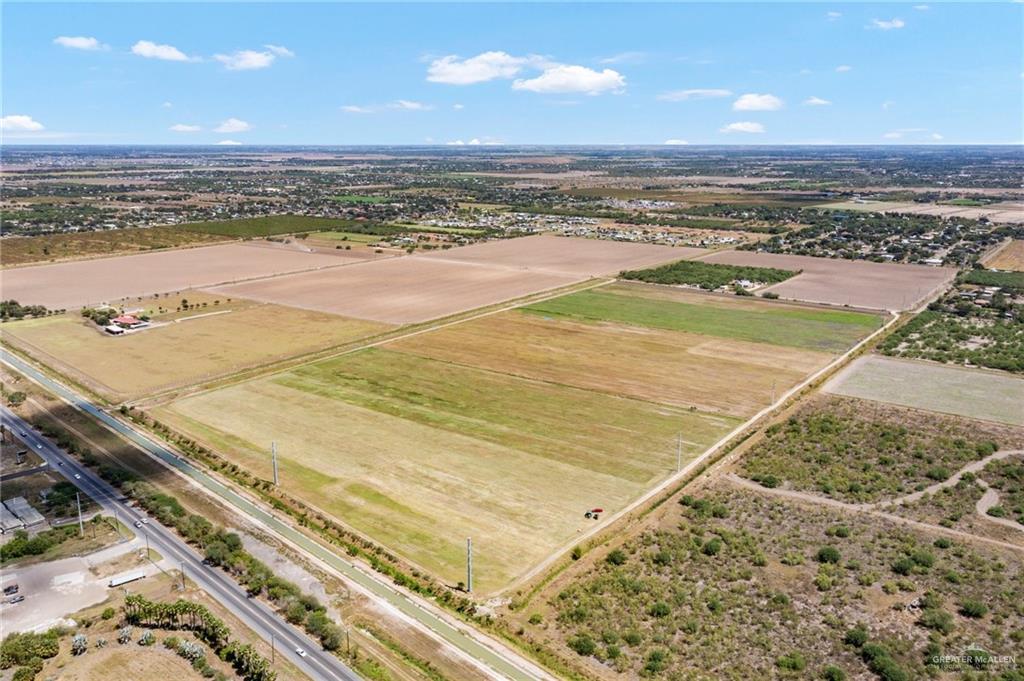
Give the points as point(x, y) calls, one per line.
point(110, 280)
point(400, 290)
point(855, 283)
point(566, 255)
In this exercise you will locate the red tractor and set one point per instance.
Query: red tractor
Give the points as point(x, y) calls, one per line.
point(594, 513)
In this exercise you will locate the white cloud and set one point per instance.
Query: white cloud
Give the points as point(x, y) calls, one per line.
point(742, 126)
point(228, 143)
point(832, 16)
point(456, 143)
point(699, 93)
point(624, 58)
point(816, 101)
point(479, 69)
point(475, 142)
point(887, 24)
point(922, 8)
point(887, 104)
point(407, 105)
point(936, 136)
point(280, 50)
point(233, 125)
point(675, 142)
point(80, 43)
point(571, 78)
point(20, 122)
point(899, 133)
point(458, 107)
point(151, 50)
point(182, 127)
point(167, 105)
point(246, 60)
point(356, 109)
point(755, 102)
point(844, 68)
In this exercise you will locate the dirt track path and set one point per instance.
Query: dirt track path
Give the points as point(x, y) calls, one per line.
point(806, 497)
point(972, 467)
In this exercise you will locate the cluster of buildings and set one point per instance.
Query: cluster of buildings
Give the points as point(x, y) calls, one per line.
point(18, 514)
point(123, 323)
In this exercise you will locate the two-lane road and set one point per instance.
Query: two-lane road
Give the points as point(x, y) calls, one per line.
point(317, 663)
point(499, 661)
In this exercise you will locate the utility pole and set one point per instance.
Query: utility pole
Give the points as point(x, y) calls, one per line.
point(182, 575)
point(81, 525)
point(773, 391)
point(273, 455)
point(469, 565)
point(273, 650)
point(679, 452)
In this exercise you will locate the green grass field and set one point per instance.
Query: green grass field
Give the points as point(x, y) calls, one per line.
point(755, 321)
point(990, 278)
point(420, 454)
point(268, 226)
point(352, 237)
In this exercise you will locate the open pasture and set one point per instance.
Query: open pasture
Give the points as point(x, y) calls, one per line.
point(91, 282)
point(565, 255)
point(215, 341)
point(974, 393)
point(420, 454)
point(399, 290)
point(856, 283)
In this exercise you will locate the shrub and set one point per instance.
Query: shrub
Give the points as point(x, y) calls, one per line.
point(583, 645)
point(657, 661)
point(660, 609)
point(973, 609)
point(943, 543)
point(856, 637)
point(903, 566)
point(936, 619)
point(793, 661)
point(108, 613)
point(828, 554)
point(616, 557)
point(712, 547)
point(536, 618)
point(833, 673)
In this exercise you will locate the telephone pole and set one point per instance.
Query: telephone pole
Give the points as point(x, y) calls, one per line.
point(469, 565)
point(273, 455)
point(679, 452)
point(81, 525)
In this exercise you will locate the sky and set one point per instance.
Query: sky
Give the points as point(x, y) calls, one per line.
point(475, 74)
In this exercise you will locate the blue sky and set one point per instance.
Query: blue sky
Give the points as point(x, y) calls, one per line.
point(729, 73)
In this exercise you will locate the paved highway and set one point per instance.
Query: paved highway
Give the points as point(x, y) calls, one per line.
point(317, 663)
point(502, 663)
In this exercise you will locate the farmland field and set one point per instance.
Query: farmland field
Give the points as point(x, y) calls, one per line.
point(973, 393)
point(239, 334)
point(728, 317)
point(397, 290)
point(419, 453)
point(76, 245)
point(90, 282)
point(565, 255)
point(473, 429)
point(857, 283)
point(1010, 257)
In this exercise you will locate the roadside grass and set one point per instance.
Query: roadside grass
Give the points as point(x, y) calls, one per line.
point(792, 326)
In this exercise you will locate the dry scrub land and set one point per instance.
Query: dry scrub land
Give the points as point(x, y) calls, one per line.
point(507, 428)
point(974, 393)
point(856, 283)
point(182, 347)
point(111, 280)
point(72, 245)
point(737, 585)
